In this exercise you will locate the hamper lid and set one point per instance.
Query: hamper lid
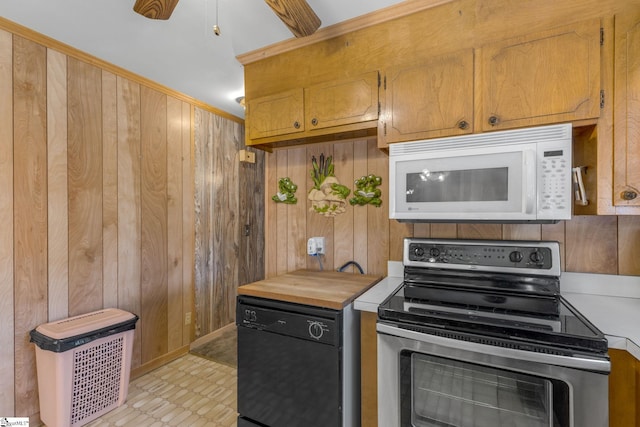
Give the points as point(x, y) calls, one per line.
point(65, 334)
point(85, 323)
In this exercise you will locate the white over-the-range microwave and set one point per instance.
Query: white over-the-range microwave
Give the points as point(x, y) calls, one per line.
point(522, 175)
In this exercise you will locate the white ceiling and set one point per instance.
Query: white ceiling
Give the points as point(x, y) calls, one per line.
point(181, 53)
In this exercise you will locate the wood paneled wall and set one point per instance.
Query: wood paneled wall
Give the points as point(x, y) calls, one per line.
point(229, 224)
point(97, 190)
point(590, 244)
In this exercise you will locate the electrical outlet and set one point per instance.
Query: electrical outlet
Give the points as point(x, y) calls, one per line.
point(315, 246)
point(187, 318)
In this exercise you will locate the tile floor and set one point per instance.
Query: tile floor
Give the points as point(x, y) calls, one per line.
point(190, 391)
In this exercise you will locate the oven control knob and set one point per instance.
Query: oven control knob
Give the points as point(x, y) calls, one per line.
point(434, 252)
point(418, 251)
point(536, 257)
point(515, 256)
point(316, 330)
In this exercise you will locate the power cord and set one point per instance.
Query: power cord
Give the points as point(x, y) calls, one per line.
point(319, 260)
point(348, 263)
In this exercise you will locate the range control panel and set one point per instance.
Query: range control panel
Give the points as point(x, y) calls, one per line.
point(525, 257)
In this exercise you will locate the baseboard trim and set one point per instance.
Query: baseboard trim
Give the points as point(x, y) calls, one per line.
point(160, 361)
point(211, 336)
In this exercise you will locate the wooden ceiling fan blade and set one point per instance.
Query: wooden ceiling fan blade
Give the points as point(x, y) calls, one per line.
point(297, 15)
point(155, 9)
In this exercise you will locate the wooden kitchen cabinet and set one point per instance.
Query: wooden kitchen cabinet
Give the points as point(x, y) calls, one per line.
point(369, 369)
point(428, 99)
point(342, 102)
point(627, 110)
point(279, 114)
point(542, 78)
point(328, 108)
point(624, 389)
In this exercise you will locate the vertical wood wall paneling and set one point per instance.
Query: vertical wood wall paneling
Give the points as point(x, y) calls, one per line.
point(218, 221)
point(230, 228)
point(360, 216)
point(319, 225)
point(521, 232)
point(591, 244)
point(556, 232)
point(200, 231)
point(188, 218)
point(30, 212)
point(282, 229)
point(153, 196)
point(378, 217)
point(7, 352)
point(480, 231)
point(253, 253)
point(175, 193)
point(297, 214)
point(629, 245)
point(57, 170)
point(218, 226)
point(444, 231)
point(129, 228)
point(85, 187)
point(271, 217)
point(343, 249)
point(109, 190)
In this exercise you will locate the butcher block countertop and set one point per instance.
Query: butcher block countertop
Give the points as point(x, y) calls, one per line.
point(329, 289)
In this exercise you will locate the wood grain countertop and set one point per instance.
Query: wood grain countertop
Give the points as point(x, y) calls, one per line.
point(329, 289)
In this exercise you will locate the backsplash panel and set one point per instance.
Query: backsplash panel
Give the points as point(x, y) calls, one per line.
point(589, 244)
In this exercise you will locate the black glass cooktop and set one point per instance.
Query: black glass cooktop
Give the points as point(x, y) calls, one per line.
point(543, 323)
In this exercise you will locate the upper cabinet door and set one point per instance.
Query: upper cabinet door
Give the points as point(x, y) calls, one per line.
point(627, 110)
point(278, 114)
point(342, 102)
point(549, 77)
point(429, 99)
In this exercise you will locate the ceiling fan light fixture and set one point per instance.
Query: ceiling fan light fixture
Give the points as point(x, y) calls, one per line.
point(155, 9)
point(216, 27)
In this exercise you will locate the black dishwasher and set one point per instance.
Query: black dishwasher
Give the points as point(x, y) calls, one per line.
point(291, 365)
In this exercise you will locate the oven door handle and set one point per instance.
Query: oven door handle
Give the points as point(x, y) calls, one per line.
point(596, 364)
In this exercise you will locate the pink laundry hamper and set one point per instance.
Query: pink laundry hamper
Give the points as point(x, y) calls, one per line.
point(83, 365)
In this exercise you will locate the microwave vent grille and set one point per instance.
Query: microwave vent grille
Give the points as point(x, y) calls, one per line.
point(491, 139)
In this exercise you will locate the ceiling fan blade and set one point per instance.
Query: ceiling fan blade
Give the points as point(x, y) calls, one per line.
point(297, 15)
point(155, 9)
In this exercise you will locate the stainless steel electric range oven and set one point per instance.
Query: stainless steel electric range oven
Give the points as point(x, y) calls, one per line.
point(479, 335)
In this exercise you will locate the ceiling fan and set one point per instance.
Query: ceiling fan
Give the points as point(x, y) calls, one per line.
point(297, 15)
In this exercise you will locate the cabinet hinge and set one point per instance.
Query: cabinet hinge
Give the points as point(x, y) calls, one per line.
point(385, 128)
point(385, 82)
point(601, 36)
point(379, 108)
point(602, 99)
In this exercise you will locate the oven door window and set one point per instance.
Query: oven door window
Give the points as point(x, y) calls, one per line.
point(438, 392)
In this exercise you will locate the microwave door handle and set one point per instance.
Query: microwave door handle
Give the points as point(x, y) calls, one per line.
point(529, 174)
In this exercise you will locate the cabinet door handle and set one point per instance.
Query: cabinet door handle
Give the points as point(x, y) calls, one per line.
point(314, 121)
point(494, 120)
point(628, 195)
point(463, 124)
point(296, 124)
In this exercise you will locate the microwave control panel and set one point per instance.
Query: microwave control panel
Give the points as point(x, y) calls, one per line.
point(554, 181)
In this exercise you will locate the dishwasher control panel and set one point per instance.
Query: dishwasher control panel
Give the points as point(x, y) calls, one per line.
point(296, 320)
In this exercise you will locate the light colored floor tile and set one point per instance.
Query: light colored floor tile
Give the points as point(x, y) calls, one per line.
point(190, 391)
